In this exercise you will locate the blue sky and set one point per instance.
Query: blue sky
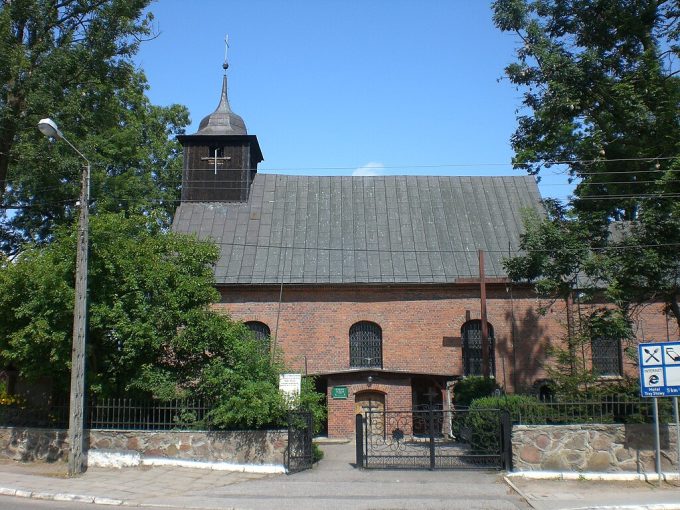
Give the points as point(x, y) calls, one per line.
point(336, 87)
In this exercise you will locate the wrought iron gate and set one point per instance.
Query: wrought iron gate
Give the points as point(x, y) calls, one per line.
point(434, 439)
point(300, 431)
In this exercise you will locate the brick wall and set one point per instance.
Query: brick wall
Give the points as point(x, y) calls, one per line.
point(420, 325)
point(395, 388)
point(421, 332)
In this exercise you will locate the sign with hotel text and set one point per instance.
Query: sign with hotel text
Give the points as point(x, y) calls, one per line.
point(659, 369)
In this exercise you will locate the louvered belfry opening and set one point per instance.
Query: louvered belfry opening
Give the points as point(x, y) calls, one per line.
point(365, 345)
point(218, 168)
point(472, 348)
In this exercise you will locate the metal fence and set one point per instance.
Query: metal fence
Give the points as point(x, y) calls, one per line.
point(123, 413)
point(115, 413)
point(601, 409)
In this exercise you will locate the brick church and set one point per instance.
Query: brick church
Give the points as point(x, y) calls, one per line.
point(372, 284)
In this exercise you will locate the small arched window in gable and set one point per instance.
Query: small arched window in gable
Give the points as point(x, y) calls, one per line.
point(471, 333)
point(261, 331)
point(365, 345)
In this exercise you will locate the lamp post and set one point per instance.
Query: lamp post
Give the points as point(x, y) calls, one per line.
point(77, 399)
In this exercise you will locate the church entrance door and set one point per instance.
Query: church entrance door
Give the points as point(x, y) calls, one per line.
point(371, 405)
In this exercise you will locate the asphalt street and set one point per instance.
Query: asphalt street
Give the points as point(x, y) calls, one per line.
point(333, 484)
point(9, 503)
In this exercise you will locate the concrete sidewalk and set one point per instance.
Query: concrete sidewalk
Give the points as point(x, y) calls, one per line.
point(576, 494)
point(332, 484)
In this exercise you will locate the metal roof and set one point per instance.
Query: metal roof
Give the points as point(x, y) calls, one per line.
point(222, 121)
point(378, 229)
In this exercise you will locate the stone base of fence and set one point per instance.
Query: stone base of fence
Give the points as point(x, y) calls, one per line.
point(592, 448)
point(238, 448)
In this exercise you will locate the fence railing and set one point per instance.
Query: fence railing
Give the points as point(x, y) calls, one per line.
point(603, 409)
point(114, 413)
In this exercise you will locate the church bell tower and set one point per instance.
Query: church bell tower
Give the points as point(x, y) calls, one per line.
point(221, 158)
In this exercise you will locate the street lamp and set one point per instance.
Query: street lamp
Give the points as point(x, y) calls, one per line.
point(77, 400)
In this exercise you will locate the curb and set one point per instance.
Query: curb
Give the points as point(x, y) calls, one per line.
point(657, 506)
point(592, 476)
point(612, 477)
point(59, 496)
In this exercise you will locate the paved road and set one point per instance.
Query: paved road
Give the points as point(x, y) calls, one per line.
point(9, 503)
point(563, 494)
point(336, 484)
point(333, 484)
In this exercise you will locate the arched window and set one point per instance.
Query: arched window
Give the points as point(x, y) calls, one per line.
point(261, 331)
point(472, 348)
point(606, 354)
point(365, 345)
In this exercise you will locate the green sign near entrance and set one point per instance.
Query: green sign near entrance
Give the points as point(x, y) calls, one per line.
point(339, 392)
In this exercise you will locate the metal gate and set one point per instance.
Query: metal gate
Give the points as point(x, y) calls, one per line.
point(300, 432)
point(434, 439)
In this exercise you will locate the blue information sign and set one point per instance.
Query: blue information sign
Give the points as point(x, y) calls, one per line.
point(659, 369)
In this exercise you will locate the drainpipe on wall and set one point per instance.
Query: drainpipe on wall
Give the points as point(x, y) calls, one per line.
point(485, 326)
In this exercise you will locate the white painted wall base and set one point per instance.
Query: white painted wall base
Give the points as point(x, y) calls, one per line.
point(121, 459)
point(572, 475)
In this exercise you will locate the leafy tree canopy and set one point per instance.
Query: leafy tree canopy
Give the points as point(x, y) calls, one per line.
point(601, 99)
point(72, 61)
point(150, 331)
point(600, 93)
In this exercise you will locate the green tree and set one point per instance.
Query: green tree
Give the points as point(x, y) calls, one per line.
point(72, 60)
point(601, 96)
point(144, 287)
point(151, 332)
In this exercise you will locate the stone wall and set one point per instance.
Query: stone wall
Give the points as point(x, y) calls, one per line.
point(592, 447)
point(237, 447)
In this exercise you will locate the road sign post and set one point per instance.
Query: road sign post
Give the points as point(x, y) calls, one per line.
point(657, 441)
point(660, 377)
point(659, 369)
point(676, 415)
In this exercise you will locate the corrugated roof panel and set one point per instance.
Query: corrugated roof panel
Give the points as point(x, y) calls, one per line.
point(324, 213)
point(410, 229)
point(359, 218)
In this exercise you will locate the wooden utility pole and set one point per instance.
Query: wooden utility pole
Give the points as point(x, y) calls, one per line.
point(77, 402)
point(76, 420)
point(485, 325)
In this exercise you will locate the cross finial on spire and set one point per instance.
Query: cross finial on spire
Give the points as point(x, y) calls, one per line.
point(225, 66)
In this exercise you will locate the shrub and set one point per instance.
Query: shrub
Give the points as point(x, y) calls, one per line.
point(473, 387)
point(483, 421)
point(317, 453)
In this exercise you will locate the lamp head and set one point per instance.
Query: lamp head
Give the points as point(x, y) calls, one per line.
point(49, 128)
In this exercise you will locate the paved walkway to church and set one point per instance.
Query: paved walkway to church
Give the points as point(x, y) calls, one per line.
point(333, 484)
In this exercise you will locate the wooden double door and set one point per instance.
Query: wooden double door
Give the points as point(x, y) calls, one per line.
point(371, 404)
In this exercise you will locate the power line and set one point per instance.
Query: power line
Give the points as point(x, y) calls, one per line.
point(168, 200)
point(625, 197)
point(451, 165)
point(463, 165)
point(472, 251)
point(202, 184)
